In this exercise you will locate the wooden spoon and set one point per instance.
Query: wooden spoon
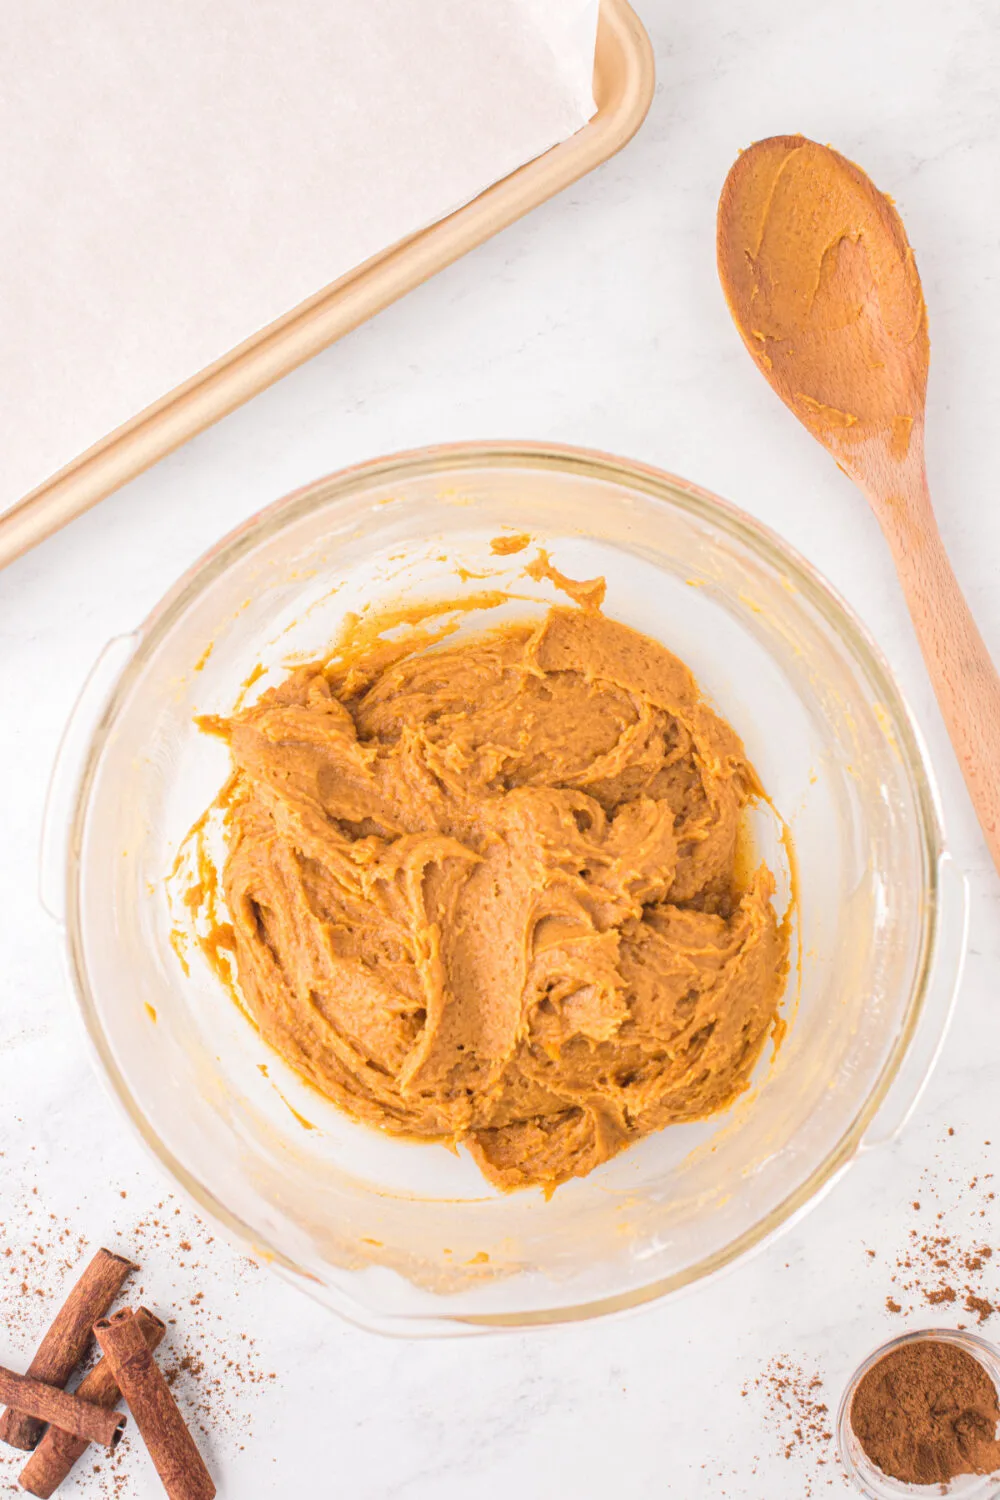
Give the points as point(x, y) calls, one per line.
point(822, 285)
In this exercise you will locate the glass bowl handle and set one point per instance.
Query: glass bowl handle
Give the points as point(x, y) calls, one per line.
point(85, 716)
point(939, 1003)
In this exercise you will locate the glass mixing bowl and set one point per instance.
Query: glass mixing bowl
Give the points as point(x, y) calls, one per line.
point(408, 1238)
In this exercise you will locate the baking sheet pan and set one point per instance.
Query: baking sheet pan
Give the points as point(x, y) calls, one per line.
point(623, 90)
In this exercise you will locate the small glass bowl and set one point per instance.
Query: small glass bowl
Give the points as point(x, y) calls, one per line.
point(867, 1477)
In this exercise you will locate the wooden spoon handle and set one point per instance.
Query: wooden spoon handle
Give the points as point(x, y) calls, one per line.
point(961, 671)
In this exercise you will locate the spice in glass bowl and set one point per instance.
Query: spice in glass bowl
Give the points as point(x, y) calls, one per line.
point(926, 1412)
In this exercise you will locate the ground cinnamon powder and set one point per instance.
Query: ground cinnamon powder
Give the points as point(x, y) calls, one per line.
point(927, 1412)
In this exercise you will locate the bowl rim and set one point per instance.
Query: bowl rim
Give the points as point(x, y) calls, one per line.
point(451, 459)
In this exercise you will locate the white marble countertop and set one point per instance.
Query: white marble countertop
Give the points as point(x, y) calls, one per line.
point(597, 321)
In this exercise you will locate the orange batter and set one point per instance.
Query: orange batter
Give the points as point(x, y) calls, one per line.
point(487, 893)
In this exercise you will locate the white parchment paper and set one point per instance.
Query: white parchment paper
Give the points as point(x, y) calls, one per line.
point(175, 175)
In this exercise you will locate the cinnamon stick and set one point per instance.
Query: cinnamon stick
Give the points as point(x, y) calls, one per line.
point(47, 1403)
point(164, 1431)
point(58, 1451)
point(67, 1338)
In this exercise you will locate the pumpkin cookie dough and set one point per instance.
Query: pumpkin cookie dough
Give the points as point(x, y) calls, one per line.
point(487, 893)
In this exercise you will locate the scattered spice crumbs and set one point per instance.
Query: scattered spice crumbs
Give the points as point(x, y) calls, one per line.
point(798, 1414)
point(946, 1263)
